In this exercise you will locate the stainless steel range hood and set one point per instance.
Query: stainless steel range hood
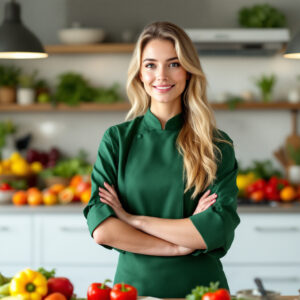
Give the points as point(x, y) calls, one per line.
point(239, 41)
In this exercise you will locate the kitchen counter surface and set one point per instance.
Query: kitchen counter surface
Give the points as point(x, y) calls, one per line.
point(78, 208)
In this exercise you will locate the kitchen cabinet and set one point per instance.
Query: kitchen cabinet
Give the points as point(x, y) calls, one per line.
point(265, 246)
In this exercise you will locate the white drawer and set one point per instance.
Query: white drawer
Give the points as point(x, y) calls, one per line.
point(65, 239)
point(82, 277)
point(15, 240)
point(267, 239)
point(285, 280)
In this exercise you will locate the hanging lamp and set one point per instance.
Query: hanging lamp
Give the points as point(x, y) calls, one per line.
point(16, 41)
point(293, 48)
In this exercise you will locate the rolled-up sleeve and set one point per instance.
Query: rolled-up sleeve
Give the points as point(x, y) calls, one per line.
point(217, 224)
point(104, 170)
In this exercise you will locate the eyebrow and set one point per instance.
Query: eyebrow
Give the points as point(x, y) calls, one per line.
point(152, 59)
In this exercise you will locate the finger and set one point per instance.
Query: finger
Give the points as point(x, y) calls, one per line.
point(107, 197)
point(110, 189)
point(105, 192)
point(211, 197)
point(205, 194)
point(107, 202)
point(205, 207)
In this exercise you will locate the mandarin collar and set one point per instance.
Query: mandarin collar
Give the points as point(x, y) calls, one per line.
point(174, 123)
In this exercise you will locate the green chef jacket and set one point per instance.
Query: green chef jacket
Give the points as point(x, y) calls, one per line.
point(142, 161)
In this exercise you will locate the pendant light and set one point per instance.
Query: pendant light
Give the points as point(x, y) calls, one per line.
point(293, 48)
point(16, 41)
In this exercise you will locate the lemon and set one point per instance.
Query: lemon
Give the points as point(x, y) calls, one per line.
point(20, 168)
point(15, 156)
point(36, 167)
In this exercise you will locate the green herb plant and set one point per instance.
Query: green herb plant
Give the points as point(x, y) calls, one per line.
point(27, 80)
point(266, 85)
point(199, 291)
point(9, 75)
point(261, 16)
point(47, 274)
point(6, 128)
point(294, 154)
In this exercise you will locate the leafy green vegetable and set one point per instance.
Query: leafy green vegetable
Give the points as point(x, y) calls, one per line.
point(67, 168)
point(261, 16)
point(108, 95)
point(262, 169)
point(199, 291)
point(47, 274)
point(4, 279)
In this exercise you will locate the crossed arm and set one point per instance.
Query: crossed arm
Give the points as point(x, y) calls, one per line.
point(149, 235)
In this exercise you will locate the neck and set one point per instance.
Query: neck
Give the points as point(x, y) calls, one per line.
point(165, 111)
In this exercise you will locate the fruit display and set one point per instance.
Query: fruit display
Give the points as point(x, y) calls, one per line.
point(47, 159)
point(79, 190)
point(16, 165)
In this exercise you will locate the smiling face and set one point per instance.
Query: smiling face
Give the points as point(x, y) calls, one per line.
point(163, 77)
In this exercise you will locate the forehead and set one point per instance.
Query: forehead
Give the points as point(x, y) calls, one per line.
point(159, 50)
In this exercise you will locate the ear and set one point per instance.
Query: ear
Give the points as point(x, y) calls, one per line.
point(188, 76)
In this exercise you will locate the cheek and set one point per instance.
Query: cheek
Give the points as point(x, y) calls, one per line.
point(147, 77)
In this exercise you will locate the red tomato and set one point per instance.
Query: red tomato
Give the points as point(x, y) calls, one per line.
point(122, 291)
point(61, 285)
point(220, 294)
point(271, 192)
point(99, 291)
point(5, 187)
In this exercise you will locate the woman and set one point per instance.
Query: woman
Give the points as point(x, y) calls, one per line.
point(167, 177)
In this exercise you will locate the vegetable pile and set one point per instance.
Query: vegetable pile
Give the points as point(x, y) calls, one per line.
point(211, 292)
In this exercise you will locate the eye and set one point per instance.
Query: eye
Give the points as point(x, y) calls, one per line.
point(149, 66)
point(174, 65)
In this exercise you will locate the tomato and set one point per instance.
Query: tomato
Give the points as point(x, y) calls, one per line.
point(99, 291)
point(220, 294)
point(5, 187)
point(61, 285)
point(271, 192)
point(122, 291)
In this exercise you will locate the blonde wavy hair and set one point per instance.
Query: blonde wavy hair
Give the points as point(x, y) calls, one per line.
point(195, 141)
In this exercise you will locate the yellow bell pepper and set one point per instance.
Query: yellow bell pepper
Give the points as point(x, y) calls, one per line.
point(31, 285)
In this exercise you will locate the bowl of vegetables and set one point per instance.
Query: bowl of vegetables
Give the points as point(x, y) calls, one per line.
point(6, 193)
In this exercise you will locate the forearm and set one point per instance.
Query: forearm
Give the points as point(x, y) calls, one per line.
point(180, 232)
point(116, 233)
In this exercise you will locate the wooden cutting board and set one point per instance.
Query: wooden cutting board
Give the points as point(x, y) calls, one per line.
point(294, 138)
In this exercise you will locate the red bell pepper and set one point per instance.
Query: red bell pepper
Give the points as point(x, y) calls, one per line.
point(122, 291)
point(99, 291)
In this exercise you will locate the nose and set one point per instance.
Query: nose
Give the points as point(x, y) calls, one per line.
point(162, 73)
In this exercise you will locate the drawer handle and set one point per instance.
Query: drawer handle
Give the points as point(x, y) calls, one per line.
point(277, 229)
point(4, 228)
point(281, 279)
point(73, 229)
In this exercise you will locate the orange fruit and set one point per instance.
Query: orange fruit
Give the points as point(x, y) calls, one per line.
point(33, 190)
point(67, 195)
point(50, 198)
point(288, 194)
point(55, 296)
point(75, 180)
point(257, 196)
point(19, 198)
point(35, 198)
point(83, 186)
point(56, 188)
point(85, 196)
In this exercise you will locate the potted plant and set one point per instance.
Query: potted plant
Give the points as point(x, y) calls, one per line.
point(26, 90)
point(266, 84)
point(7, 143)
point(8, 82)
point(42, 91)
point(294, 170)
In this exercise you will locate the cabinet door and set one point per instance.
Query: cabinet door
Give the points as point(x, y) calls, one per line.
point(82, 277)
point(65, 239)
point(285, 280)
point(15, 240)
point(266, 238)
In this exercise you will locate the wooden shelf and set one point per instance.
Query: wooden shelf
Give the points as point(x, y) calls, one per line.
point(90, 48)
point(124, 106)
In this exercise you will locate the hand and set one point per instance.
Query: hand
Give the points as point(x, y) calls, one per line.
point(183, 250)
point(205, 202)
point(110, 197)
